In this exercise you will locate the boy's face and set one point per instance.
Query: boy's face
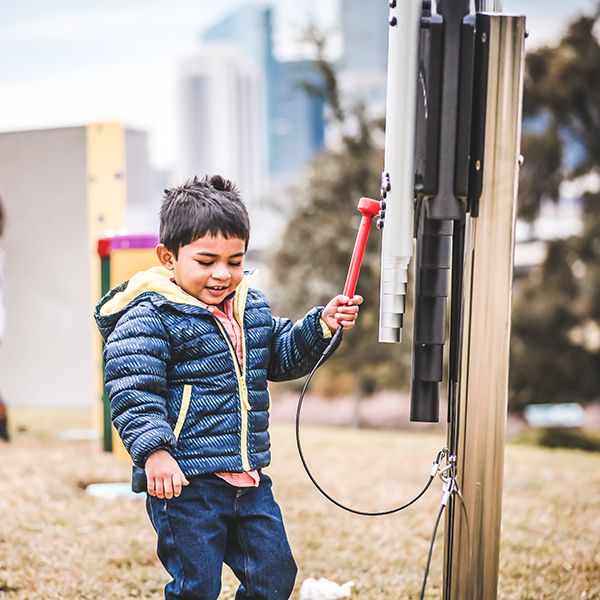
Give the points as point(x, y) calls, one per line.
point(209, 268)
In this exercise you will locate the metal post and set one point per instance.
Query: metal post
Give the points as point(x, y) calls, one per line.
point(478, 419)
point(488, 6)
point(398, 178)
point(107, 444)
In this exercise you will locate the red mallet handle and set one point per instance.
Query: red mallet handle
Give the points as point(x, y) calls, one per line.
point(369, 209)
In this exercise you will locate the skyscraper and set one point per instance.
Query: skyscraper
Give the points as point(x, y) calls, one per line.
point(363, 69)
point(365, 33)
point(251, 30)
point(294, 119)
point(297, 126)
point(223, 119)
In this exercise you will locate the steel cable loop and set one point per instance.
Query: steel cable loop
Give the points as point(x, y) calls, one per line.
point(337, 336)
point(430, 553)
point(450, 488)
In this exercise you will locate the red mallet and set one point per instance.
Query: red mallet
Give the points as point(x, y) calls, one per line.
point(369, 209)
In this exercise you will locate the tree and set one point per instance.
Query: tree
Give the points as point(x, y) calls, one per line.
point(317, 244)
point(556, 316)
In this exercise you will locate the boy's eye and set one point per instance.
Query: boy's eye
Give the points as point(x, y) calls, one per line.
point(205, 263)
point(236, 263)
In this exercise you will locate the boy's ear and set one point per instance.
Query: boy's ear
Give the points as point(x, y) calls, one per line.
point(165, 256)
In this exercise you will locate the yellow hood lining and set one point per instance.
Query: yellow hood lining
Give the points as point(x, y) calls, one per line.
point(158, 280)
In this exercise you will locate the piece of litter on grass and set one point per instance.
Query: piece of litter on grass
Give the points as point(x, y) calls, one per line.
point(78, 435)
point(324, 589)
point(112, 491)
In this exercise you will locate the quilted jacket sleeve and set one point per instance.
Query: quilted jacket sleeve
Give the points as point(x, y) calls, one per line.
point(136, 355)
point(296, 347)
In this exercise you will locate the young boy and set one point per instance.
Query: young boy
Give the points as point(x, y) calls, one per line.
point(189, 349)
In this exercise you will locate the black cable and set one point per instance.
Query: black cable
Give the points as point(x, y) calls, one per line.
point(332, 344)
point(433, 536)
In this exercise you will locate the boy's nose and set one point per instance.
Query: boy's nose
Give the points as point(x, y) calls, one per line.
point(221, 272)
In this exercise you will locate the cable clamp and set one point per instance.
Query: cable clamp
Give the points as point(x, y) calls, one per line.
point(448, 470)
point(447, 474)
point(445, 469)
point(435, 467)
point(450, 487)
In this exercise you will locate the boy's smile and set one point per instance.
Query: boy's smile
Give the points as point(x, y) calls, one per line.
point(209, 268)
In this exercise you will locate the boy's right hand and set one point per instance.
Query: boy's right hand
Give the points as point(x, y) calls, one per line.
point(165, 478)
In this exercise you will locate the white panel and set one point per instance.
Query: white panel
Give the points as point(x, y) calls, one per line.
point(45, 359)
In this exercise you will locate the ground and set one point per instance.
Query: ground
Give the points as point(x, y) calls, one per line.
point(57, 542)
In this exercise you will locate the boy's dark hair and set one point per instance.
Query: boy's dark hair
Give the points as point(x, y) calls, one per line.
point(200, 207)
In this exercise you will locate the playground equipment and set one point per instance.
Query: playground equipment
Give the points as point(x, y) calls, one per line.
point(121, 256)
point(449, 188)
point(82, 187)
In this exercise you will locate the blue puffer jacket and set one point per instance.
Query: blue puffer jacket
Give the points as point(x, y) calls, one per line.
point(174, 381)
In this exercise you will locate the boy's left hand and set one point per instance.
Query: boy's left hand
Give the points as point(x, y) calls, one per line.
point(341, 310)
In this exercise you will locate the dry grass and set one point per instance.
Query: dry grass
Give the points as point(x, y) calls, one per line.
point(56, 542)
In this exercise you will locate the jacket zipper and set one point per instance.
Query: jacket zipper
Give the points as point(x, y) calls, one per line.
point(240, 372)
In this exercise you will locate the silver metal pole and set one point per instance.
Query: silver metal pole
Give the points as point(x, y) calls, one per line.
point(398, 185)
point(488, 6)
point(478, 422)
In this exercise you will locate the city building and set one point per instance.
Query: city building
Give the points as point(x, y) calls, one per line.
point(362, 66)
point(365, 36)
point(297, 122)
point(223, 126)
point(294, 119)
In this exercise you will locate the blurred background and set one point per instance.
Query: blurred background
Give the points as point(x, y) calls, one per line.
point(105, 104)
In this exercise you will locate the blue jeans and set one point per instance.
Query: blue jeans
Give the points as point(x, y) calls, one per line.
point(213, 522)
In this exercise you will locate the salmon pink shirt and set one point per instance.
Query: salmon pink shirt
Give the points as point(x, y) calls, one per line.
point(233, 329)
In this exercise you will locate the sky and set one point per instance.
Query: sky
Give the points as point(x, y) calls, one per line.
point(71, 62)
